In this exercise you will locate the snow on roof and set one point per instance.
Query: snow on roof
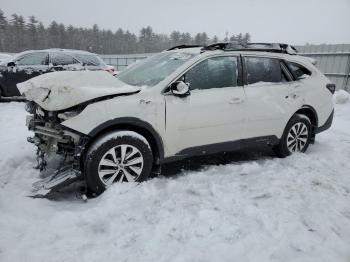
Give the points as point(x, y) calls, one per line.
point(55, 50)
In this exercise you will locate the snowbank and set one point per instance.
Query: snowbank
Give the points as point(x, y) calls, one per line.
point(341, 97)
point(256, 208)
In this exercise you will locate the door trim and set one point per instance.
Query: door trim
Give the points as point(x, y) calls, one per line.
point(222, 147)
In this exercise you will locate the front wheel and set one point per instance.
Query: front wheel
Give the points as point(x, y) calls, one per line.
point(121, 156)
point(296, 136)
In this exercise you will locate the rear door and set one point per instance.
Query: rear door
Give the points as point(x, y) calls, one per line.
point(60, 61)
point(270, 96)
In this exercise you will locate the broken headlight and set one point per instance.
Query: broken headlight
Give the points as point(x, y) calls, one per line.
point(30, 107)
point(67, 115)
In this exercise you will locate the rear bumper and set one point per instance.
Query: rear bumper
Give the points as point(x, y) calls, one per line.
point(326, 125)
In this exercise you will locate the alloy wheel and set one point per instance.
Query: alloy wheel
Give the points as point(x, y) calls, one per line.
point(297, 137)
point(122, 163)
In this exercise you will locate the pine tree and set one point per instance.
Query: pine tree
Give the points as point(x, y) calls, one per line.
point(3, 31)
point(204, 38)
point(186, 38)
point(246, 38)
point(146, 40)
point(32, 33)
point(175, 38)
point(71, 37)
point(198, 39)
point(215, 39)
point(16, 35)
point(233, 38)
point(53, 35)
point(42, 36)
point(62, 36)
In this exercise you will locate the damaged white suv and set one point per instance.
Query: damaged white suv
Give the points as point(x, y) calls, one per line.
point(183, 102)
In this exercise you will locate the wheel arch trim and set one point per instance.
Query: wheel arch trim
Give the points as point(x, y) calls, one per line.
point(309, 108)
point(132, 124)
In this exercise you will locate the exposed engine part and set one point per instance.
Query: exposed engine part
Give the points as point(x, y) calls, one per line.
point(52, 139)
point(40, 158)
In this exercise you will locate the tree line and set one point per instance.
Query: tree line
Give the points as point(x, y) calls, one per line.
point(18, 34)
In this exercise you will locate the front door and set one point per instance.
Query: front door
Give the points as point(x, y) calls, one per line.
point(213, 112)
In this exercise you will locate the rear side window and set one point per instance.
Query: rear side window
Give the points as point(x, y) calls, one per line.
point(33, 59)
point(89, 60)
point(62, 59)
point(214, 72)
point(263, 69)
point(298, 71)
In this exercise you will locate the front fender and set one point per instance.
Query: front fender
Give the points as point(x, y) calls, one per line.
point(139, 111)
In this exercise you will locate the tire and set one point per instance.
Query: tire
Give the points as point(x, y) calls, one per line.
point(121, 156)
point(290, 143)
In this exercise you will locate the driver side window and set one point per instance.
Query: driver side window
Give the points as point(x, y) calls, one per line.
point(214, 72)
point(33, 59)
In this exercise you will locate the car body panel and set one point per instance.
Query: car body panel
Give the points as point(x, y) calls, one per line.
point(61, 90)
point(143, 105)
point(204, 117)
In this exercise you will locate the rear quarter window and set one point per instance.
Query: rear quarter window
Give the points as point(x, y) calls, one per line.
point(298, 71)
point(90, 60)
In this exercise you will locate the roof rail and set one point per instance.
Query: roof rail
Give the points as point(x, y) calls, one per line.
point(183, 47)
point(240, 46)
point(223, 46)
point(272, 47)
point(264, 47)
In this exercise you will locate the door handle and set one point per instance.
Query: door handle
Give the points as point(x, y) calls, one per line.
point(236, 100)
point(293, 95)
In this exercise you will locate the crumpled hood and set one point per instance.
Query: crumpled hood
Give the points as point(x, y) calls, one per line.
point(61, 90)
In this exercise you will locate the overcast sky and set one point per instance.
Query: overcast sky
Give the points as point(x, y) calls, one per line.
point(293, 21)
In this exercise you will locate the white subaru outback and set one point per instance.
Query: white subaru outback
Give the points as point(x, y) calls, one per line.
point(186, 101)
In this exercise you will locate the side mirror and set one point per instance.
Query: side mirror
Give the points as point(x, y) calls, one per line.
point(180, 89)
point(11, 64)
point(55, 67)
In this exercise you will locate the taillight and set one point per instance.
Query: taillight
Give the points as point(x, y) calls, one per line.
point(110, 70)
point(331, 88)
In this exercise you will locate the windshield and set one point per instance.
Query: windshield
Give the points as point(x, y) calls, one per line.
point(155, 69)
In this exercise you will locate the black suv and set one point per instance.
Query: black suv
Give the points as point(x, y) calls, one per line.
point(29, 64)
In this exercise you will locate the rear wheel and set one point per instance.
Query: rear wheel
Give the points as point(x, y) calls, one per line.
point(122, 156)
point(296, 136)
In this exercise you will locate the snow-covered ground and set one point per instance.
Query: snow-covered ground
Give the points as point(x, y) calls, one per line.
point(252, 207)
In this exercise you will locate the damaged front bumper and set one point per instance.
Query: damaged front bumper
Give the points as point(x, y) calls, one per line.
point(61, 178)
point(53, 140)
